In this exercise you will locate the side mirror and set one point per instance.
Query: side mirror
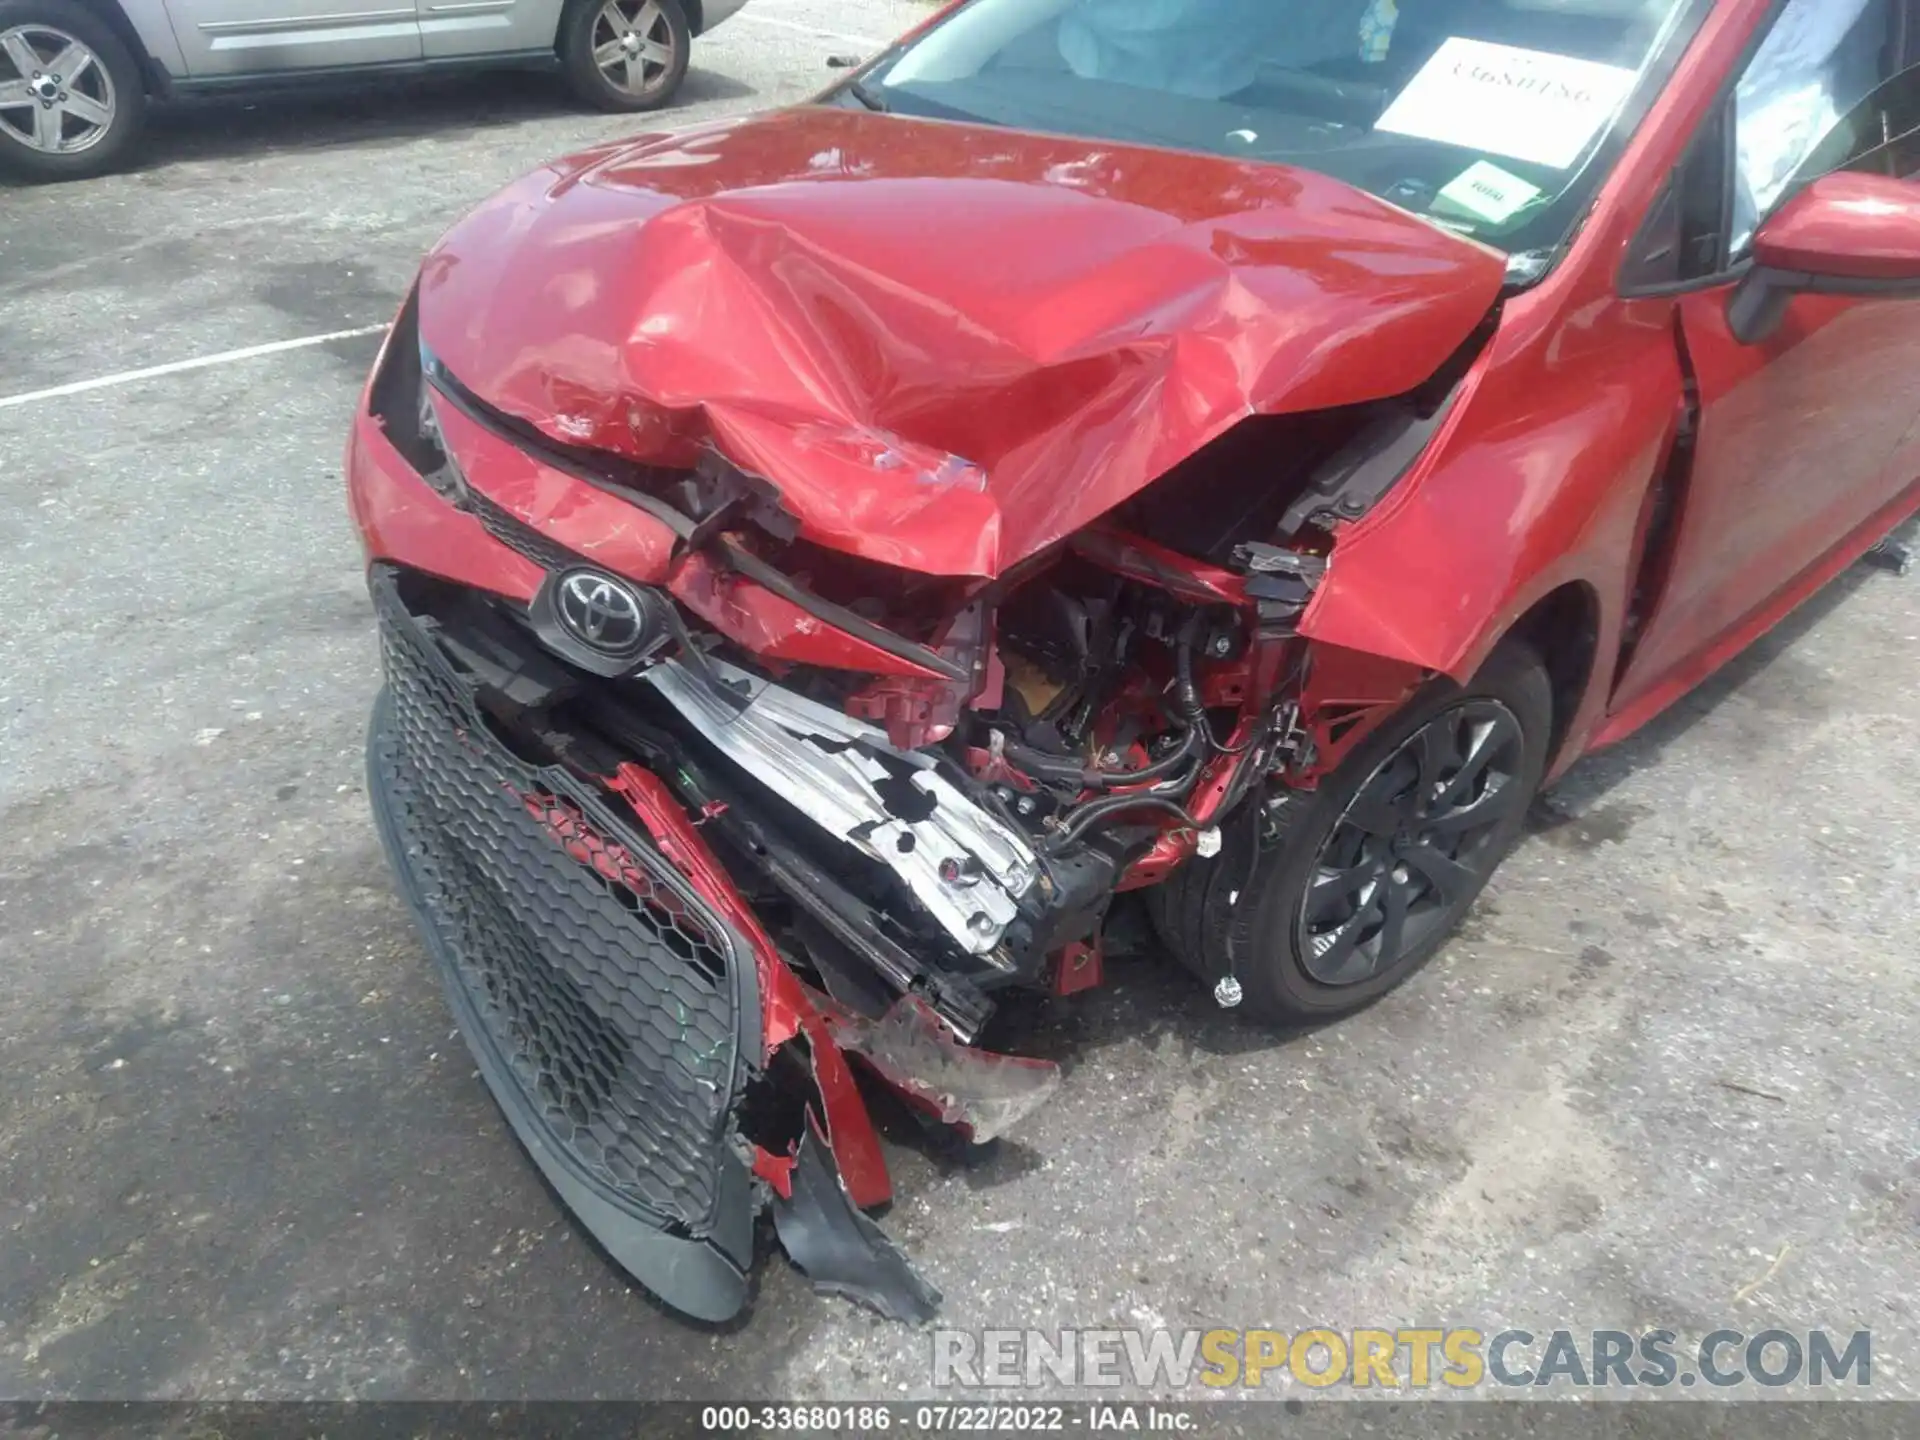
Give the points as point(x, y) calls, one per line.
point(1845, 234)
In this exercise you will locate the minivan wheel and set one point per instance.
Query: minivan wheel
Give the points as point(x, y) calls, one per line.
point(72, 98)
point(625, 55)
point(1339, 894)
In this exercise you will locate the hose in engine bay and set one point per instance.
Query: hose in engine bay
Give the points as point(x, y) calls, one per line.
point(1095, 811)
point(1057, 767)
point(1186, 693)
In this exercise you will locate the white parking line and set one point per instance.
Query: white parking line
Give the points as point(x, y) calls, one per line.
point(800, 29)
point(254, 352)
point(226, 357)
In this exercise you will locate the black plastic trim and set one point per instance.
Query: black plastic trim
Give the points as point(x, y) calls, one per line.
point(321, 75)
point(1759, 302)
point(840, 1250)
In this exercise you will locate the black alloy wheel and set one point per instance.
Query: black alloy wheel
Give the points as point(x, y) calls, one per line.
point(1412, 848)
point(1338, 894)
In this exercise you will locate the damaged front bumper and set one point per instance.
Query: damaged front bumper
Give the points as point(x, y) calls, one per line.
point(637, 1023)
point(614, 1016)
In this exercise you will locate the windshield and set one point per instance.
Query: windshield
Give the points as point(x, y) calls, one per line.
point(1481, 115)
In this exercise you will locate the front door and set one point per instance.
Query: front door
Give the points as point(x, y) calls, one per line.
point(248, 37)
point(1806, 435)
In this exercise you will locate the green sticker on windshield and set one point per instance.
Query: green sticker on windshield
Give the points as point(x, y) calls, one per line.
point(1485, 190)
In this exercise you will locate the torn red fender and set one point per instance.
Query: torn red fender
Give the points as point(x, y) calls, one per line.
point(1347, 694)
point(856, 1148)
point(786, 1012)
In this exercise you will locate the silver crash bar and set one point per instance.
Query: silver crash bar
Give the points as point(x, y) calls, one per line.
point(968, 868)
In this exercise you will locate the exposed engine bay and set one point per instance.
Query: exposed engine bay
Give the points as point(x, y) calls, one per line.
point(896, 852)
point(794, 657)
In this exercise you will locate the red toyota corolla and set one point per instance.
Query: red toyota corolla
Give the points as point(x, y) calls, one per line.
point(1233, 450)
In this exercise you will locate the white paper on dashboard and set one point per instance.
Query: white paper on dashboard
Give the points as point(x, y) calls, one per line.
point(1524, 104)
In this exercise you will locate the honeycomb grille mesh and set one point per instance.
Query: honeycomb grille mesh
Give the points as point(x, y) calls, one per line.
point(516, 534)
point(599, 977)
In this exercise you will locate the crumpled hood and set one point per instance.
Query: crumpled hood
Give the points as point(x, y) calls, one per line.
point(947, 345)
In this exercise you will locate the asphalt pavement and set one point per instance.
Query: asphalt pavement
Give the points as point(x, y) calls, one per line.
point(1666, 1078)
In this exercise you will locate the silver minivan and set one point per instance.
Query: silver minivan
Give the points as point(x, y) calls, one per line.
point(75, 75)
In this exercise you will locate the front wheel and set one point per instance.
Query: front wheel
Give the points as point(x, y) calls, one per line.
point(72, 99)
point(1342, 893)
point(625, 55)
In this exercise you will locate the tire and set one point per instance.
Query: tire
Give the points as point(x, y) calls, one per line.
point(1245, 913)
point(109, 84)
point(589, 25)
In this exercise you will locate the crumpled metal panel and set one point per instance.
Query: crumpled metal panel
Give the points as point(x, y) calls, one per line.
point(947, 345)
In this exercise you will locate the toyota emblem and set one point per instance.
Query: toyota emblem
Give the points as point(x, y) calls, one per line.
point(601, 612)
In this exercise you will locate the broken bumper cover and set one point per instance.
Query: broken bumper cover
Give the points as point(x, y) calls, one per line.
point(613, 1013)
point(621, 997)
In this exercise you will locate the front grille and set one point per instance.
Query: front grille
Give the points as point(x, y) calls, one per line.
point(513, 532)
point(606, 986)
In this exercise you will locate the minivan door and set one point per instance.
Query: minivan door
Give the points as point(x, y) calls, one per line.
point(264, 37)
point(452, 28)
